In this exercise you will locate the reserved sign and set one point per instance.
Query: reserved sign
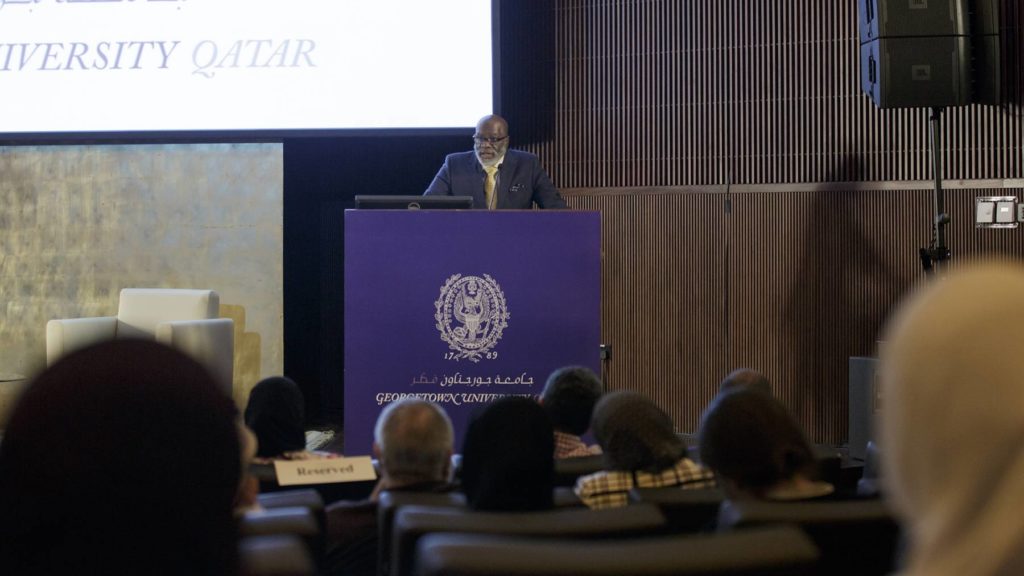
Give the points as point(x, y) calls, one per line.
point(324, 471)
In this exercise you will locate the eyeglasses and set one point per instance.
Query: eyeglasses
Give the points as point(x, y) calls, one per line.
point(493, 140)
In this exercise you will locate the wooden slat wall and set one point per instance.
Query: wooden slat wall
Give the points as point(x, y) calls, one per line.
point(695, 92)
point(792, 283)
point(658, 104)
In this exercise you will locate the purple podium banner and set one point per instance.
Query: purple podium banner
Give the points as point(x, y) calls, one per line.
point(463, 307)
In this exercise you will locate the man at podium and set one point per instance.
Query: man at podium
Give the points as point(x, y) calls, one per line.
point(494, 176)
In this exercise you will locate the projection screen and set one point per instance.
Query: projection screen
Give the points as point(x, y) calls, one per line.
point(163, 66)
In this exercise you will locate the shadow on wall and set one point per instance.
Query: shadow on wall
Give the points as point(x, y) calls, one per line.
point(247, 355)
point(836, 313)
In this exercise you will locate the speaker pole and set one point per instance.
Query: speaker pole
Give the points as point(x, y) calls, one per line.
point(937, 252)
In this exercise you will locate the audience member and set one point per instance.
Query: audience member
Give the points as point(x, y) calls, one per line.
point(569, 397)
point(641, 449)
point(247, 499)
point(413, 446)
point(952, 421)
point(508, 457)
point(745, 378)
point(276, 414)
point(121, 458)
point(757, 449)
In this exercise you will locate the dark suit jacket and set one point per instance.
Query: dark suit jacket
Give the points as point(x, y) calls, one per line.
point(522, 181)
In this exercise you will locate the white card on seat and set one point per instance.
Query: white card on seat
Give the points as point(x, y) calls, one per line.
point(324, 471)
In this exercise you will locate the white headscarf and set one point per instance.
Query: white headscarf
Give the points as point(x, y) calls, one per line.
point(952, 421)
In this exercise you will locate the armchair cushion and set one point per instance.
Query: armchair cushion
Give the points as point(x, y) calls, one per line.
point(140, 310)
point(63, 336)
point(182, 318)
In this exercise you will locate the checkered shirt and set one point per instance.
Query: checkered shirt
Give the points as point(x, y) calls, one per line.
point(570, 446)
point(610, 488)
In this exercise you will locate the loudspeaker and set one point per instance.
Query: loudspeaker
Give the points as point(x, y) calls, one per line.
point(930, 53)
point(865, 401)
point(902, 18)
point(917, 72)
point(986, 51)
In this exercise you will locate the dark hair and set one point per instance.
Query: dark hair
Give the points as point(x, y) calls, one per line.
point(120, 458)
point(276, 414)
point(569, 397)
point(635, 434)
point(508, 457)
point(745, 378)
point(751, 439)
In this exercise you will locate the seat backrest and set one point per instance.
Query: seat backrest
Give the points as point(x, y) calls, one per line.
point(567, 470)
point(296, 498)
point(299, 522)
point(412, 522)
point(855, 536)
point(765, 551)
point(275, 555)
point(829, 463)
point(140, 310)
point(389, 502)
point(684, 510)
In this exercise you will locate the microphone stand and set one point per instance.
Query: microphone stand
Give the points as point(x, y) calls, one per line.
point(937, 252)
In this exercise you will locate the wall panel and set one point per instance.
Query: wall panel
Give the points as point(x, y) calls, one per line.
point(791, 283)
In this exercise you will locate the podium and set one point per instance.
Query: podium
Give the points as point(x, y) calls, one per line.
point(461, 307)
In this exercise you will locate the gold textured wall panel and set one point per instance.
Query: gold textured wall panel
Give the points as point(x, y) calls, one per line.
point(78, 223)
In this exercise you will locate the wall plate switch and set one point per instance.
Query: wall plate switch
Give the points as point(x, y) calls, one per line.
point(985, 212)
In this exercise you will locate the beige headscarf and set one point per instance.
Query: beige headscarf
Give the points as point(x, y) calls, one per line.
point(952, 421)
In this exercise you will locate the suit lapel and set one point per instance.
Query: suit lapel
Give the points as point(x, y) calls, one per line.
point(505, 177)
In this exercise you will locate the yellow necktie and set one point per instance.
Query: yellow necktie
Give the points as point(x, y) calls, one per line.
point(489, 192)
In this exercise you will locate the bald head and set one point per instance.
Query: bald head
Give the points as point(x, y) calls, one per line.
point(413, 439)
point(492, 123)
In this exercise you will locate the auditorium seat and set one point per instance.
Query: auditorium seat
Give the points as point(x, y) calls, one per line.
point(567, 470)
point(855, 537)
point(412, 522)
point(294, 521)
point(565, 497)
point(775, 551)
point(686, 511)
point(389, 502)
point(184, 319)
point(830, 463)
point(274, 555)
point(307, 498)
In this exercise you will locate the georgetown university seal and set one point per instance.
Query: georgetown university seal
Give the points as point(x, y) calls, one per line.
point(471, 314)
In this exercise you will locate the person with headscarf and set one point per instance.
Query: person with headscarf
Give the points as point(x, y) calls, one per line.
point(641, 449)
point(508, 457)
point(276, 413)
point(569, 396)
point(745, 378)
point(952, 422)
point(121, 458)
point(757, 449)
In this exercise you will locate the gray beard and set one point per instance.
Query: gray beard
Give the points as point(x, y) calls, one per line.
point(493, 162)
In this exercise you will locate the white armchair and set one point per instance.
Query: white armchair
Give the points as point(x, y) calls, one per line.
point(185, 319)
